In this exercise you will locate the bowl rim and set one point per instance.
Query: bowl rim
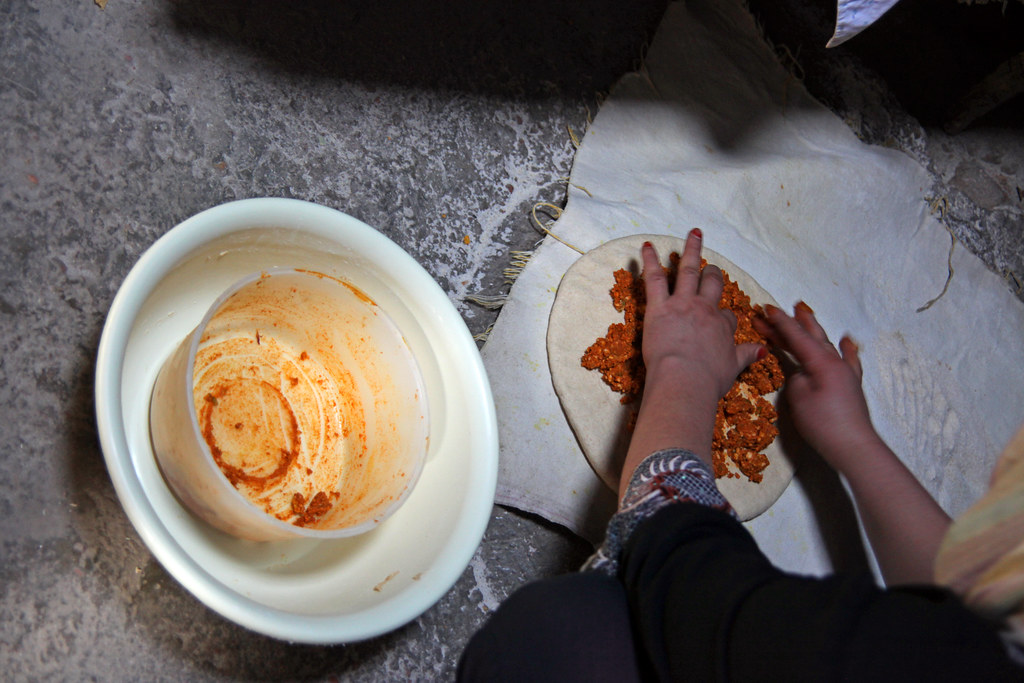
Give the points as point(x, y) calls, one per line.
point(153, 265)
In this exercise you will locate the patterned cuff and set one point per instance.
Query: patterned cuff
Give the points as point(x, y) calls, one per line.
point(664, 477)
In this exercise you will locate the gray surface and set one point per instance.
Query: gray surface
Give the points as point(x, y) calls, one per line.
point(431, 124)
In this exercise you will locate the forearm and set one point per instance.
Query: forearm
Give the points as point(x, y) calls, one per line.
point(675, 413)
point(904, 524)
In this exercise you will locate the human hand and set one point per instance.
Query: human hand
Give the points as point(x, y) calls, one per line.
point(824, 394)
point(686, 334)
point(903, 522)
point(690, 355)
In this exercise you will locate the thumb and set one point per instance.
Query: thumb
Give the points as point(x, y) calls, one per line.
point(747, 354)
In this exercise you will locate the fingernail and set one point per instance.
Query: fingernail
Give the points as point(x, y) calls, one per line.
point(770, 310)
point(762, 353)
point(801, 306)
point(696, 232)
point(648, 244)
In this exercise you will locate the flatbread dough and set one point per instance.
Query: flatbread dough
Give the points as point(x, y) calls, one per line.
point(581, 313)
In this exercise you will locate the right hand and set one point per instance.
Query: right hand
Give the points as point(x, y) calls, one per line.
point(686, 329)
point(824, 395)
point(690, 354)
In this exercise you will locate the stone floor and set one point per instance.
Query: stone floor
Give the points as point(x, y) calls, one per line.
point(431, 122)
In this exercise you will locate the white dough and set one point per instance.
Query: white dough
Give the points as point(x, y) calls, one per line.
point(581, 313)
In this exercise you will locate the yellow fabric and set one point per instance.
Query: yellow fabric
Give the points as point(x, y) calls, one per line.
point(982, 555)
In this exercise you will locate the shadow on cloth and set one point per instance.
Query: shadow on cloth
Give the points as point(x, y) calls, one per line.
point(832, 506)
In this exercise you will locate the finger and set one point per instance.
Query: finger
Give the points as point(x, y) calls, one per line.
point(795, 339)
point(765, 329)
point(731, 317)
point(748, 354)
point(851, 355)
point(655, 280)
point(688, 279)
point(804, 315)
point(711, 284)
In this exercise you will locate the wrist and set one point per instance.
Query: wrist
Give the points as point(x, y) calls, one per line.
point(674, 375)
point(855, 451)
point(674, 413)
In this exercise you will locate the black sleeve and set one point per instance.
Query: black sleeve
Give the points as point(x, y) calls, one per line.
point(707, 605)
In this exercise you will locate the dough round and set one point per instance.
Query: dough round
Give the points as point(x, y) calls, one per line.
point(581, 313)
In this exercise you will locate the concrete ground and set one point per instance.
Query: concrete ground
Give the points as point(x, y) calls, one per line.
point(432, 122)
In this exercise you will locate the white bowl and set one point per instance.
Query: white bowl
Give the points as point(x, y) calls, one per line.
point(354, 396)
point(310, 591)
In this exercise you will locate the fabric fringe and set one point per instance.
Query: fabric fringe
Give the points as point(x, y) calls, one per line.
point(518, 260)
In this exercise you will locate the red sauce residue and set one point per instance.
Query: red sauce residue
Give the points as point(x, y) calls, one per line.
point(319, 506)
point(277, 456)
point(231, 404)
point(359, 293)
point(355, 290)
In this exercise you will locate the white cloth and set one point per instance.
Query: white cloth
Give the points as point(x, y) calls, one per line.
point(715, 134)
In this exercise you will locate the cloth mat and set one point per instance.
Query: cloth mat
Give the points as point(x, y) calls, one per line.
point(714, 133)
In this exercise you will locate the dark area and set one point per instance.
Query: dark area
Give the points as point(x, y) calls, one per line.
point(930, 53)
point(529, 48)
